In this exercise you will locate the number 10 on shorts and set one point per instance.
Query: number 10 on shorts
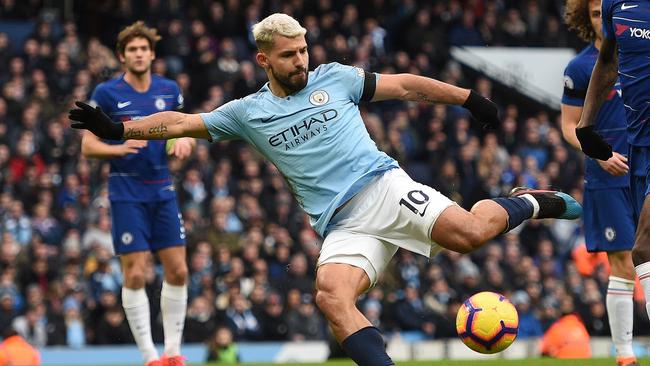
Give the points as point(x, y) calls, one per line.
point(414, 201)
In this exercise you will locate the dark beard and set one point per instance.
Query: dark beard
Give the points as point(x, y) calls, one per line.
point(287, 84)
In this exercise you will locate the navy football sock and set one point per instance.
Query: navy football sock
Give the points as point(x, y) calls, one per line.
point(518, 208)
point(366, 348)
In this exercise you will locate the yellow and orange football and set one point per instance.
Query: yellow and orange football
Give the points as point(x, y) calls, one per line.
point(487, 322)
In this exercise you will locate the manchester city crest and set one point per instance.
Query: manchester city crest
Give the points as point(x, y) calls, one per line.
point(319, 97)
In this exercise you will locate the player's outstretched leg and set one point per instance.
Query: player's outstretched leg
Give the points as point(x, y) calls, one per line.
point(338, 287)
point(462, 231)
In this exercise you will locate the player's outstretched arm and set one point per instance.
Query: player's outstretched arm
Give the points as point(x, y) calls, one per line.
point(422, 89)
point(602, 79)
point(159, 126)
point(93, 147)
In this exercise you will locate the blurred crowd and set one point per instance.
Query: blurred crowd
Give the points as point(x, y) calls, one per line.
point(251, 251)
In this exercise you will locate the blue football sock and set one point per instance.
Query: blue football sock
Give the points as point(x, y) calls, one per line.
point(366, 348)
point(518, 208)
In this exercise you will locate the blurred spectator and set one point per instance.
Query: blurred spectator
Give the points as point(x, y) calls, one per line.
point(304, 323)
point(106, 275)
point(411, 313)
point(466, 33)
point(75, 332)
point(201, 321)
point(242, 321)
point(113, 328)
point(98, 236)
point(222, 349)
point(372, 311)
point(297, 276)
point(7, 310)
point(567, 338)
point(18, 224)
point(529, 325)
point(274, 325)
point(15, 351)
point(32, 326)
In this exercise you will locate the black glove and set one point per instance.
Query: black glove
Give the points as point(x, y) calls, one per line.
point(593, 144)
point(96, 121)
point(483, 110)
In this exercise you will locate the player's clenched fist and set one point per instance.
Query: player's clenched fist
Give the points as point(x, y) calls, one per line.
point(483, 110)
point(95, 121)
point(592, 143)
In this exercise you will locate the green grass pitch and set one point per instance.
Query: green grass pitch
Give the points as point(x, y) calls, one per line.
point(522, 362)
point(527, 362)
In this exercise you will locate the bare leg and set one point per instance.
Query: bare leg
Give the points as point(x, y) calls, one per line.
point(621, 264)
point(641, 250)
point(133, 268)
point(174, 265)
point(464, 231)
point(338, 286)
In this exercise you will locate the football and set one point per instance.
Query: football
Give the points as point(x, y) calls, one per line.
point(487, 322)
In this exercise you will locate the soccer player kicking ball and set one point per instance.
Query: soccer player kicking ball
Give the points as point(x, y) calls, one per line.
point(625, 53)
point(606, 181)
point(308, 124)
point(143, 199)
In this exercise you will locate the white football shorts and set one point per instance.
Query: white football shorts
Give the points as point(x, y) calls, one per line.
point(393, 211)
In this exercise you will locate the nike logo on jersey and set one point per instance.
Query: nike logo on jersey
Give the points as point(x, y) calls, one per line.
point(169, 188)
point(623, 7)
point(272, 118)
point(121, 105)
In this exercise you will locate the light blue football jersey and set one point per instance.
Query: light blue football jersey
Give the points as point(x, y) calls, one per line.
point(315, 137)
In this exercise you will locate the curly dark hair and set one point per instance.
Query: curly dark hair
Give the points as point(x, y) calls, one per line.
point(137, 29)
point(576, 16)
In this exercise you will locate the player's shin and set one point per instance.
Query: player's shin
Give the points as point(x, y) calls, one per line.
point(643, 271)
point(620, 308)
point(518, 208)
point(173, 306)
point(136, 307)
point(366, 348)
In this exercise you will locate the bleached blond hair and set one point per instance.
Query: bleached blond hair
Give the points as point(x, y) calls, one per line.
point(278, 23)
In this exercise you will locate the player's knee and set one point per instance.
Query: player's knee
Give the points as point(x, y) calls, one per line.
point(134, 278)
point(330, 304)
point(462, 237)
point(621, 265)
point(326, 301)
point(177, 275)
